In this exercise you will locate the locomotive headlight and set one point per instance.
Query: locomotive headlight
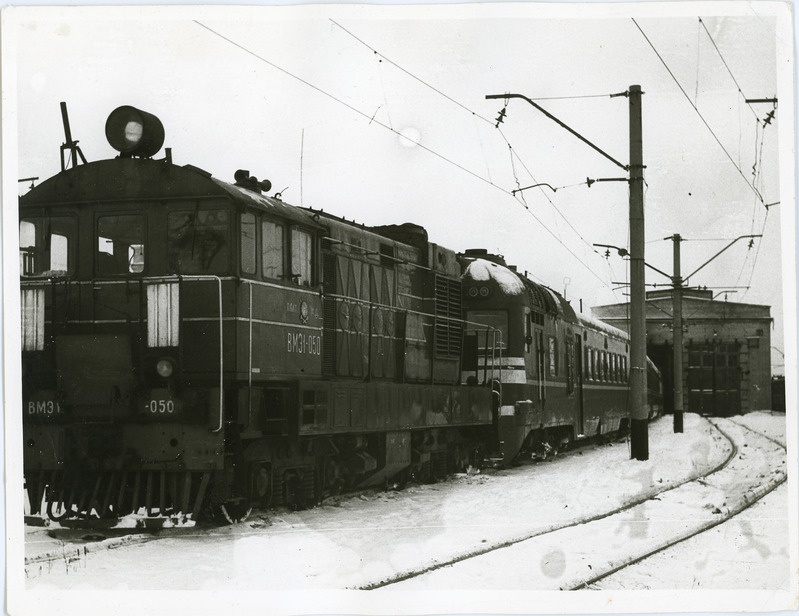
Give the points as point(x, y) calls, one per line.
point(483, 291)
point(165, 368)
point(133, 132)
point(473, 292)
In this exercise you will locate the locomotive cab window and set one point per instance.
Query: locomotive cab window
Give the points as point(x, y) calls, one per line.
point(198, 241)
point(301, 256)
point(120, 245)
point(247, 242)
point(47, 246)
point(272, 249)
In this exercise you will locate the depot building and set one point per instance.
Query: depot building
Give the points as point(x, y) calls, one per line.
point(726, 350)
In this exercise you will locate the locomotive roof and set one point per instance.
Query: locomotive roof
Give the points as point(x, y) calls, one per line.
point(512, 284)
point(137, 179)
point(484, 270)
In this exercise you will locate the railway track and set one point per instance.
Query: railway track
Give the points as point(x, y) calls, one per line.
point(601, 522)
point(343, 547)
point(742, 506)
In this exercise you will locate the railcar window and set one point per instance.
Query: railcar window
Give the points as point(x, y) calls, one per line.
point(120, 245)
point(47, 245)
point(248, 243)
point(272, 249)
point(197, 241)
point(301, 257)
point(553, 356)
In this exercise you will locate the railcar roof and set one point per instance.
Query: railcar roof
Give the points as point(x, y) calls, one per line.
point(484, 270)
point(595, 323)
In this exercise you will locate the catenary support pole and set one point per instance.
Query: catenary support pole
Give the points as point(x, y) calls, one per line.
point(639, 412)
point(677, 336)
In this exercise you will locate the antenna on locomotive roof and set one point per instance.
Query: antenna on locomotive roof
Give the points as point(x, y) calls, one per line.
point(69, 143)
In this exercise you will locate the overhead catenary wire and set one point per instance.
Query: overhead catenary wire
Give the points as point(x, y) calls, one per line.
point(514, 154)
point(373, 120)
point(723, 61)
point(757, 254)
point(701, 117)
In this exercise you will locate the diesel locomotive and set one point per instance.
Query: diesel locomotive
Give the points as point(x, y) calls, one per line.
point(192, 345)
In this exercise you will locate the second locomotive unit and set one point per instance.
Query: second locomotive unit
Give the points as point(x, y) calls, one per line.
point(191, 343)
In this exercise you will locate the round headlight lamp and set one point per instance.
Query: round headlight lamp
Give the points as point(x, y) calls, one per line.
point(165, 368)
point(133, 132)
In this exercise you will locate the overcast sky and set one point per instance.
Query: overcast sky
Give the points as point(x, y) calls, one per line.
point(318, 99)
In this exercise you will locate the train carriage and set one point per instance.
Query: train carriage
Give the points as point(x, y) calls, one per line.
point(563, 375)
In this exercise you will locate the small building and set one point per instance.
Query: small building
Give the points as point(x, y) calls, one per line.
point(726, 350)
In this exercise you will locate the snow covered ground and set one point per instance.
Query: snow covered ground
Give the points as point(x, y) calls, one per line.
point(353, 542)
point(748, 551)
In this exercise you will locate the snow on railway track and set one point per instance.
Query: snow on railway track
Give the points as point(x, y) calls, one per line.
point(367, 540)
point(585, 551)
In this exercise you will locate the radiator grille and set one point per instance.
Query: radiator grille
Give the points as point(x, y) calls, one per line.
point(449, 327)
point(329, 315)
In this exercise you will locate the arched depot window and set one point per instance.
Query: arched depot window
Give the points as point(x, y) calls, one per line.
point(301, 257)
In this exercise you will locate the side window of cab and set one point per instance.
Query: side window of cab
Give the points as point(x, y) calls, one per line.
point(272, 249)
point(301, 257)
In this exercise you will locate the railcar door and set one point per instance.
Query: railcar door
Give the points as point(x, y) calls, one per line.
point(542, 391)
point(578, 358)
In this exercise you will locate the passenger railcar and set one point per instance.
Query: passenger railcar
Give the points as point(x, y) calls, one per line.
point(563, 376)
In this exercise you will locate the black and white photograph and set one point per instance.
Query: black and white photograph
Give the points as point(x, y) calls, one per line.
point(400, 309)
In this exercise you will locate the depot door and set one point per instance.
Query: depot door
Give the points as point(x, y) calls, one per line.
point(714, 379)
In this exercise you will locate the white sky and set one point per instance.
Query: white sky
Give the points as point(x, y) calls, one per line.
point(226, 105)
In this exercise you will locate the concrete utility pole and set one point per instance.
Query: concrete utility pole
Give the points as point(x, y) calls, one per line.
point(639, 412)
point(676, 315)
